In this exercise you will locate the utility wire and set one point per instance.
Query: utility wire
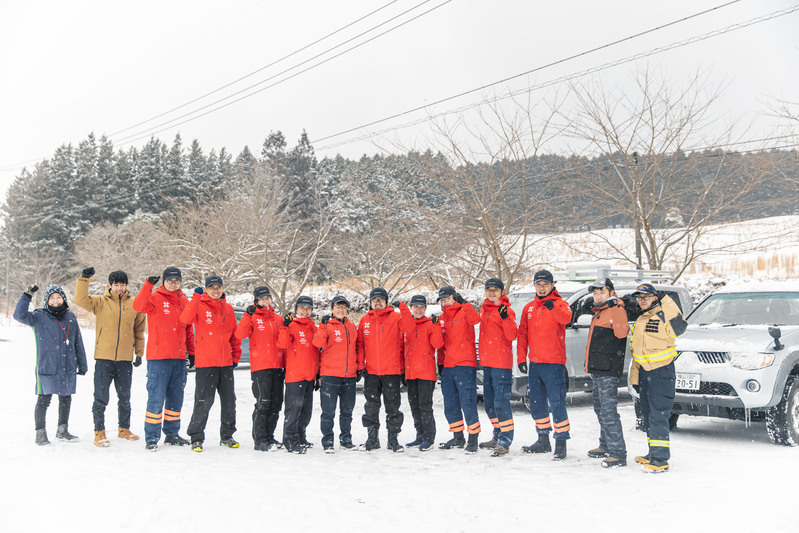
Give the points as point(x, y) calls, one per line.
point(169, 123)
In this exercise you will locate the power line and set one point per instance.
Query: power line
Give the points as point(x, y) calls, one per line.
point(169, 124)
point(549, 83)
point(254, 72)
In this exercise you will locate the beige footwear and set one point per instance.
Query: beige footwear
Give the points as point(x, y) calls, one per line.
point(99, 439)
point(124, 433)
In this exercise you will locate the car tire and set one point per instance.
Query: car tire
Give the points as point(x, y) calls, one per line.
point(673, 421)
point(782, 420)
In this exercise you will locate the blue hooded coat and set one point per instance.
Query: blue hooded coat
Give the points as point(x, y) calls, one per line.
point(59, 348)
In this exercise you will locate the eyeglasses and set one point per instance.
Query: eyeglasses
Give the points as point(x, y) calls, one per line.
point(172, 281)
point(644, 297)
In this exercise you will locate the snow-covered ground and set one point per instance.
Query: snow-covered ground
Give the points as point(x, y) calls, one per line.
point(724, 476)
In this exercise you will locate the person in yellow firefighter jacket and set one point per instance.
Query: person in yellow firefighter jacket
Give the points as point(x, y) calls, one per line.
point(653, 340)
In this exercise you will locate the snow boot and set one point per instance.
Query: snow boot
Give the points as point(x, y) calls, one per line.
point(656, 466)
point(489, 444)
point(612, 462)
point(230, 443)
point(151, 446)
point(471, 447)
point(542, 445)
point(329, 448)
point(41, 437)
point(499, 451)
point(560, 450)
point(348, 446)
point(63, 434)
point(372, 440)
point(457, 441)
point(124, 433)
point(263, 446)
point(394, 445)
point(305, 444)
point(100, 439)
point(197, 446)
point(425, 447)
point(642, 459)
point(175, 440)
point(598, 453)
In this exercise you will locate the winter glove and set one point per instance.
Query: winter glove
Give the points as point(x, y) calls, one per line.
point(503, 311)
point(434, 318)
point(153, 279)
point(190, 358)
point(458, 298)
point(87, 272)
point(637, 389)
point(198, 290)
point(235, 365)
point(318, 383)
point(250, 310)
point(440, 371)
point(287, 319)
point(395, 303)
point(362, 374)
point(325, 319)
point(32, 289)
point(137, 361)
point(402, 380)
point(82, 372)
point(549, 304)
point(612, 302)
point(522, 367)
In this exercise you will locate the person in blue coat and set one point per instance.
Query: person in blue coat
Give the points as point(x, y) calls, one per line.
point(59, 356)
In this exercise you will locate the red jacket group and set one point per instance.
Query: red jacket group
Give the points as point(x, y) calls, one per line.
point(214, 330)
point(543, 331)
point(457, 326)
point(167, 337)
point(302, 357)
point(380, 339)
point(263, 328)
point(497, 335)
point(420, 349)
point(339, 356)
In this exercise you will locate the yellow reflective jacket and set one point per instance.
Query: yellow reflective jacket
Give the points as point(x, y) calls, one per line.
point(653, 337)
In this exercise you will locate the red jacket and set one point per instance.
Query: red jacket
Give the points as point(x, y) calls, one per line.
point(262, 328)
point(457, 325)
point(497, 335)
point(214, 328)
point(544, 331)
point(167, 336)
point(302, 357)
point(339, 357)
point(420, 349)
point(380, 339)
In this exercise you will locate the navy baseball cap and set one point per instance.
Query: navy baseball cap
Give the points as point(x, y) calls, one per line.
point(172, 273)
point(418, 299)
point(304, 301)
point(213, 279)
point(445, 292)
point(645, 288)
point(339, 300)
point(543, 275)
point(378, 292)
point(261, 292)
point(495, 283)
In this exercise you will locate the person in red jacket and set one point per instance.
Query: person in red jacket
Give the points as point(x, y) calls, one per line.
point(542, 331)
point(497, 333)
point(168, 342)
point(338, 367)
point(218, 352)
point(380, 339)
point(302, 368)
point(459, 377)
point(267, 362)
point(420, 371)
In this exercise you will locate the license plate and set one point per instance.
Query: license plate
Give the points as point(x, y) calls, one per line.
point(688, 381)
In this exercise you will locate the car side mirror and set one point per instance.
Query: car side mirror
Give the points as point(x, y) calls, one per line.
point(776, 333)
point(583, 321)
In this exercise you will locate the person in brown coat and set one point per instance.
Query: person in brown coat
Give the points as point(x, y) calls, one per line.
point(119, 334)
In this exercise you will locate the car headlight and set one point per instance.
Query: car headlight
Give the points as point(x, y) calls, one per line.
point(751, 360)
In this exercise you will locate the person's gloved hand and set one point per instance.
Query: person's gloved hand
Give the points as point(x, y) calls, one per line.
point(458, 298)
point(235, 364)
point(318, 383)
point(395, 304)
point(549, 304)
point(402, 380)
point(32, 289)
point(637, 389)
point(137, 361)
point(153, 279)
point(250, 310)
point(288, 319)
point(199, 290)
point(190, 357)
point(612, 302)
point(503, 311)
point(362, 374)
point(440, 371)
point(87, 272)
point(434, 318)
point(522, 367)
point(82, 372)
point(325, 319)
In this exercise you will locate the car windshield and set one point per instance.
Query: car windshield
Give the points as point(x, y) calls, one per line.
point(777, 308)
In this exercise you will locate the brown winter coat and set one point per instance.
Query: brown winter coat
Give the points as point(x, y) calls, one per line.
point(119, 329)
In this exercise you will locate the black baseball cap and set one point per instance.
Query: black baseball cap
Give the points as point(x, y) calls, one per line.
point(304, 301)
point(445, 292)
point(543, 275)
point(418, 299)
point(172, 273)
point(602, 283)
point(339, 299)
point(261, 292)
point(213, 279)
point(645, 288)
point(495, 283)
point(378, 292)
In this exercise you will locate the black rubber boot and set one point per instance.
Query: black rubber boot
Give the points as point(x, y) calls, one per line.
point(63, 434)
point(457, 441)
point(41, 437)
point(471, 448)
point(542, 445)
point(372, 440)
point(394, 445)
point(560, 450)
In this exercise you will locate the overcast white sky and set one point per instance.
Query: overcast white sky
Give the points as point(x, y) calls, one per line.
point(71, 68)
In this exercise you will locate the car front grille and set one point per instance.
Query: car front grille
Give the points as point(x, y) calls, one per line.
point(713, 358)
point(713, 388)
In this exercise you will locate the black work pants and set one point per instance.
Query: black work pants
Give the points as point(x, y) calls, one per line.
point(43, 402)
point(388, 387)
point(267, 388)
point(121, 374)
point(208, 381)
point(297, 416)
point(420, 396)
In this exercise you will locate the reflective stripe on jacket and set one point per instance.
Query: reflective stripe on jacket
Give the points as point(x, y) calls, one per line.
point(653, 337)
